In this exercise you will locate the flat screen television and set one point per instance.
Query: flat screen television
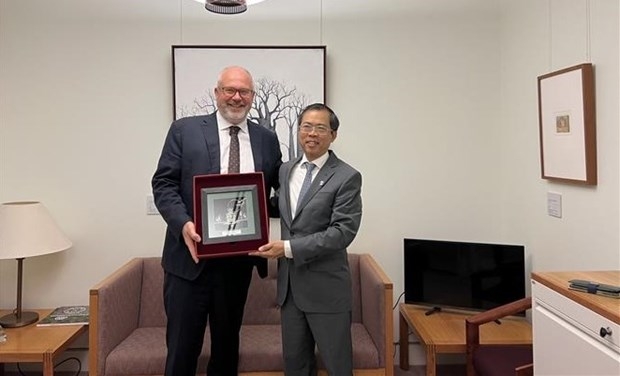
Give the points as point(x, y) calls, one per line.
point(462, 275)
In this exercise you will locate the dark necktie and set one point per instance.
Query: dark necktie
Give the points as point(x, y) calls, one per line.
point(233, 157)
point(307, 182)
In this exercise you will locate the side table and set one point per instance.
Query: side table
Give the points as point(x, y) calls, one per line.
point(37, 344)
point(444, 332)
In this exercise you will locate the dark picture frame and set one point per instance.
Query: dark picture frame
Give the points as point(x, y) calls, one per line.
point(567, 125)
point(286, 79)
point(230, 214)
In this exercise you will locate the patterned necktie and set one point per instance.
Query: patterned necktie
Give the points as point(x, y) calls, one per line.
point(307, 181)
point(233, 157)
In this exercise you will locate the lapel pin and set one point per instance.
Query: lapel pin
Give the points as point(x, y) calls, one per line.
point(321, 183)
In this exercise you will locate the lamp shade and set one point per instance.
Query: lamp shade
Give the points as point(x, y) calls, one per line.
point(27, 229)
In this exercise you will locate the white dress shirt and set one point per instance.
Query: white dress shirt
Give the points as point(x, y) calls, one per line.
point(246, 158)
point(297, 178)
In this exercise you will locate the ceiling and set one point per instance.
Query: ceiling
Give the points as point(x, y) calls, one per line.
point(111, 10)
point(350, 8)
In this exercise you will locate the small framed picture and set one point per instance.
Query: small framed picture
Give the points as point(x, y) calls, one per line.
point(567, 125)
point(230, 214)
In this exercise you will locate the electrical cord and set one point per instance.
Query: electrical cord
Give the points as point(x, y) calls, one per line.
point(410, 342)
point(398, 300)
point(77, 373)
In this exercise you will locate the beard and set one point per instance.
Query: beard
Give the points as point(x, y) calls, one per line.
point(234, 115)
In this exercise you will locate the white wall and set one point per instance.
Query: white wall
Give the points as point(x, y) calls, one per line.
point(539, 37)
point(437, 102)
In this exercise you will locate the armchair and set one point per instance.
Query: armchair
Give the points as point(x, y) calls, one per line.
point(497, 360)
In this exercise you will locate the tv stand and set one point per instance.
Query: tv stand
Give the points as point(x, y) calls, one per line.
point(445, 333)
point(432, 310)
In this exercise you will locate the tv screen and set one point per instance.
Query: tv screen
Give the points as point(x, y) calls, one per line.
point(471, 276)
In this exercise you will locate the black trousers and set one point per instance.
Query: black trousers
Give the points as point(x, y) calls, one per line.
point(218, 297)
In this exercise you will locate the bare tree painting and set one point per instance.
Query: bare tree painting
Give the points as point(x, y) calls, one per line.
point(283, 85)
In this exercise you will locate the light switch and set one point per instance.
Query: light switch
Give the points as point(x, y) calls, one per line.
point(554, 204)
point(151, 209)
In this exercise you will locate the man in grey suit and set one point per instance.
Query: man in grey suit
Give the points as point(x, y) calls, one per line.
point(214, 290)
point(314, 281)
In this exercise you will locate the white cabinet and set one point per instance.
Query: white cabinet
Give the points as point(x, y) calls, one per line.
point(567, 337)
point(575, 333)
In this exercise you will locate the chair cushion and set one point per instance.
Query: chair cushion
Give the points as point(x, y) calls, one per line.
point(501, 360)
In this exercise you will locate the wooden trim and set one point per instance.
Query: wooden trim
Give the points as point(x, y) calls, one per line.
point(389, 317)
point(384, 277)
point(93, 331)
point(499, 312)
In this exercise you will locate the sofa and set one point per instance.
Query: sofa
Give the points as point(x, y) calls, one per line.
point(127, 322)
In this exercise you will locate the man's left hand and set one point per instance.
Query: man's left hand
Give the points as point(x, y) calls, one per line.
point(270, 250)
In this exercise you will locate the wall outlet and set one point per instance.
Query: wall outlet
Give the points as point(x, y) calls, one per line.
point(151, 209)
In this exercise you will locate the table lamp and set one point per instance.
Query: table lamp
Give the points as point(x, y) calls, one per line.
point(27, 229)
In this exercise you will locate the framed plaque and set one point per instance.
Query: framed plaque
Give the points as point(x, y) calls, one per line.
point(230, 214)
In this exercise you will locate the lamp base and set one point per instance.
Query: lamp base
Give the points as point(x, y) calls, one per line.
point(11, 320)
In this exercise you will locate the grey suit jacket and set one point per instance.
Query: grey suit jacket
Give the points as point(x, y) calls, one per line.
point(192, 147)
point(325, 224)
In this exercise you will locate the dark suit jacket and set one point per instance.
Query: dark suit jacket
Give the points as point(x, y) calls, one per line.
point(326, 222)
point(192, 147)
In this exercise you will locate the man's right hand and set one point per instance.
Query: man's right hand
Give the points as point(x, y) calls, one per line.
point(191, 238)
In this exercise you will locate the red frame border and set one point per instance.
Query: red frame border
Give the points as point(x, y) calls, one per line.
point(238, 247)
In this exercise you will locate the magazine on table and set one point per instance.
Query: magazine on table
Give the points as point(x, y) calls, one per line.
point(66, 315)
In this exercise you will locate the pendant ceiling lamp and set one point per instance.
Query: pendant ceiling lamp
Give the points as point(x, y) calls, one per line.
point(226, 6)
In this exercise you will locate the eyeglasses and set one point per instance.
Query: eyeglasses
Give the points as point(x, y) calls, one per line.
point(319, 129)
point(231, 91)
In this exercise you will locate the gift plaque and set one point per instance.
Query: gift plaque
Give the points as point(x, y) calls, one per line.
point(230, 214)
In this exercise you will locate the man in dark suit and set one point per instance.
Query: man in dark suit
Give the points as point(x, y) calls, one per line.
point(314, 281)
point(214, 290)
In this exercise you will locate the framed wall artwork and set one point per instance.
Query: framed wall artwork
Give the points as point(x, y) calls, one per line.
point(567, 125)
point(286, 79)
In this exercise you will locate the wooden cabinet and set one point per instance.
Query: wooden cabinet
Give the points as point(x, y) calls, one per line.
point(575, 333)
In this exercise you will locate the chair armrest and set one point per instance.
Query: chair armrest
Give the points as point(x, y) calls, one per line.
point(526, 370)
point(498, 312)
point(472, 325)
point(114, 312)
point(376, 306)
